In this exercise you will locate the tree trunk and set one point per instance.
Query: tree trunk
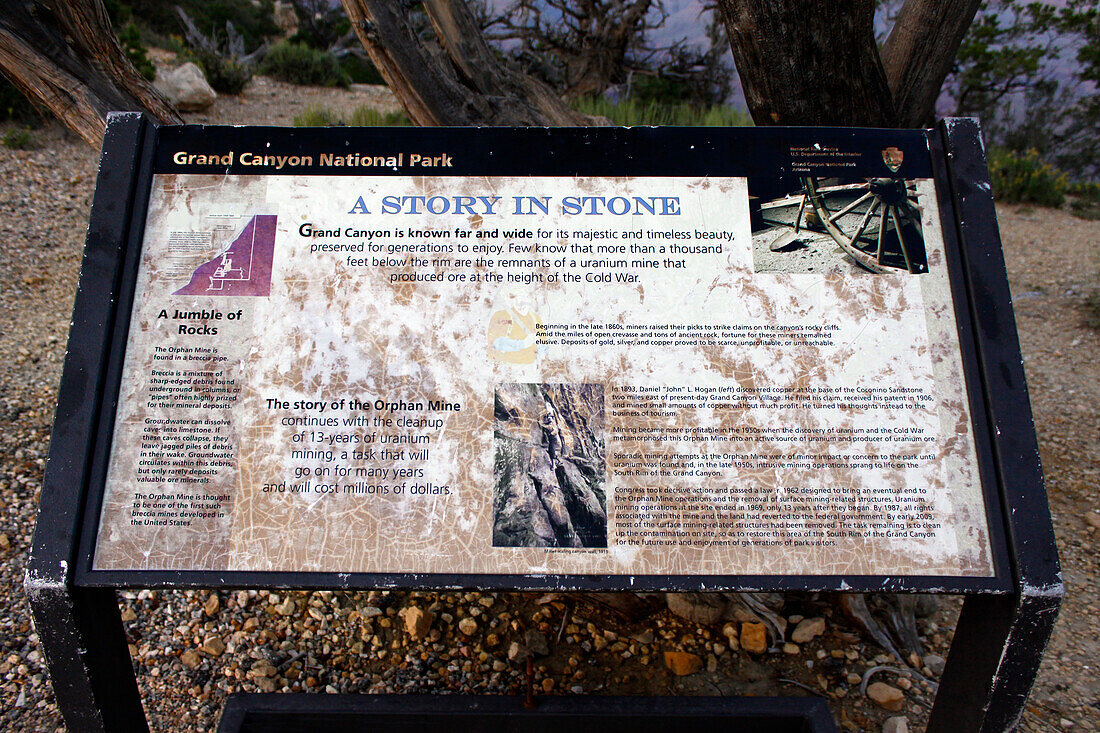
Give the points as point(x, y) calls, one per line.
point(806, 62)
point(64, 54)
point(919, 53)
point(458, 82)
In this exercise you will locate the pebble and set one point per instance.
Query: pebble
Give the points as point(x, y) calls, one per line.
point(886, 696)
point(682, 664)
point(213, 645)
point(535, 640)
point(518, 652)
point(808, 629)
point(896, 724)
point(467, 626)
point(754, 638)
point(417, 621)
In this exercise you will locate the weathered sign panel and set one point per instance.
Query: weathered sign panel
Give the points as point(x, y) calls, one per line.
point(643, 353)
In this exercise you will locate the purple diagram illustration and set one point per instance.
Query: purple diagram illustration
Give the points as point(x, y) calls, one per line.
point(242, 268)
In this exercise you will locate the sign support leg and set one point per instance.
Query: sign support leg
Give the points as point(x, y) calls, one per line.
point(993, 662)
point(85, 646)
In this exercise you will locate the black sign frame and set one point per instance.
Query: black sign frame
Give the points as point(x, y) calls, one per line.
point(1006, 620)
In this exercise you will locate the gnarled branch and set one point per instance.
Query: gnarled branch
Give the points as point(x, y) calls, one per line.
point(458, 82)
point(919, 52)
point(65, 55)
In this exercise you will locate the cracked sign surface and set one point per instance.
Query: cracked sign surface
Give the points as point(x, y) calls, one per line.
point(523, 375)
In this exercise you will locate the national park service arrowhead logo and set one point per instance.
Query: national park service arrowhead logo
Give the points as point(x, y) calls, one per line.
point(892, 157)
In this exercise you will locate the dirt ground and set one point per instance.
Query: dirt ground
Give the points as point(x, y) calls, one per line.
point(190, 649)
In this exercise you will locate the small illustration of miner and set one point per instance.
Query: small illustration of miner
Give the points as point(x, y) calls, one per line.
point(512, 334)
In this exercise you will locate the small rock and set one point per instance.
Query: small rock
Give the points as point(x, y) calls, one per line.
point(536, 642)
point(5, 543)
point(262, 668)
point(1093, 519)
point(754, 638)
point(935, 663)
point(885, 696)
point(547, 685)
point(897, 724)
point(286, 608)
point(904, 683)
point(128, 615)
point(808, 629)
point(213, 645)
point(518, 652)
point(791, 649)
point(213, 603)
point(191, 659)
point(186, 88)
point(682, 664)
point(467, 626)
point(418, 621)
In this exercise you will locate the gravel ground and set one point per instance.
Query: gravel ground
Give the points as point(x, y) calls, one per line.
point(191, 648)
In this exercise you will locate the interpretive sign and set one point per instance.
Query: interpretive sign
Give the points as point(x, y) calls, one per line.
point(621, 353)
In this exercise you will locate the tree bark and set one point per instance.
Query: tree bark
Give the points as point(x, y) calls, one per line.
point(806, 62)
point(919, 52)
point(458, 82)
point(64, 54)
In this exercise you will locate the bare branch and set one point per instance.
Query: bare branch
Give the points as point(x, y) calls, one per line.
point(919, 52)
point(66, 56)
point(458, 80)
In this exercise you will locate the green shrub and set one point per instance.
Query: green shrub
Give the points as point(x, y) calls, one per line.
point(129, 37)
point(14, 105)
point(253, 20)
point(223, 74)
point(299, 64)
point(314, 116)
point(362, 116)
point(19, 138)
point(630, 112)
point(1086, 201)
point(1023, 178)
point(360, 70)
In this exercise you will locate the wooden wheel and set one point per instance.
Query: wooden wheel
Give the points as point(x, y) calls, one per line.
point(876, 222)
